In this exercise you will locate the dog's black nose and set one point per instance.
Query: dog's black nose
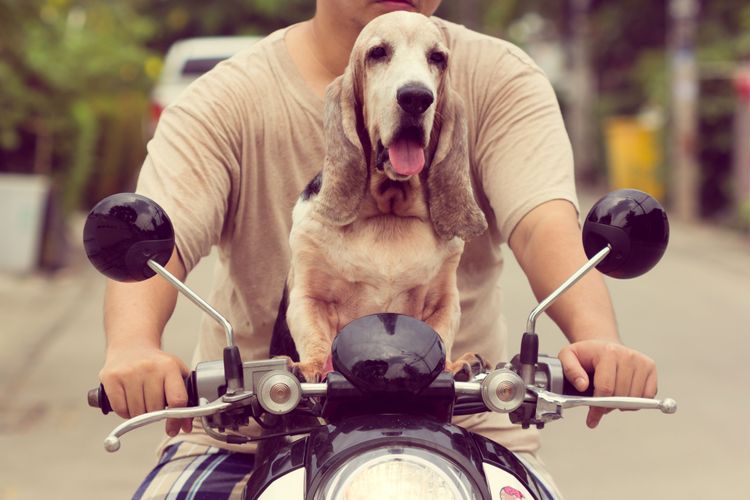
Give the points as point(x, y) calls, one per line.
point(414, 99)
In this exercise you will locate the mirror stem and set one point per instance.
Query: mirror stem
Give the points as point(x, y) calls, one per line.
point(543, 305)
point(187, 292)
point(232, 362)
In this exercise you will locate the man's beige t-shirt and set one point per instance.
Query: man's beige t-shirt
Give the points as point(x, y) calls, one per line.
point(230, 158)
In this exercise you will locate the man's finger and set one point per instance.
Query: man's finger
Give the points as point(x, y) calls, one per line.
point(174, 388)
point(134, 397)
point(177, 397)
point(153, 391)
point(605, 375)
point(638, 384)
point(117, 401)
point(605, 379)
point(624, 380)
point(172, 426)
point(573, 370)
point(594, 417)
point(651, 385)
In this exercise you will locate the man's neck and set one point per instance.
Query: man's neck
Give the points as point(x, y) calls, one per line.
point(320, 51)
point(331, 42)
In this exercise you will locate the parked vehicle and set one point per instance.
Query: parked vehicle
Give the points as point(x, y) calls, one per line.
point(185, 61)
point(387, 406)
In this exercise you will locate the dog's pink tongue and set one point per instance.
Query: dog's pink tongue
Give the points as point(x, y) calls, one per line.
point(407, 157)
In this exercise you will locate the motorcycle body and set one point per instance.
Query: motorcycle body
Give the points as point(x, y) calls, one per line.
point(394, 456)
point(387, 433)
point(379, 426)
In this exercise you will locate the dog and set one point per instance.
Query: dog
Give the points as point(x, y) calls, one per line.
point(383, 225)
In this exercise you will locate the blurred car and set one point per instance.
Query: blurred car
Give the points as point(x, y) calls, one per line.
point(185, 61)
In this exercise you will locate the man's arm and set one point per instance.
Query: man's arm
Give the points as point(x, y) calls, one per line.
point(547, 245)
point(137, 375)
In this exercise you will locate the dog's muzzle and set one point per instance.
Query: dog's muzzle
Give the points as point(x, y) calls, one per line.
point(381, 157)
point(414, 98)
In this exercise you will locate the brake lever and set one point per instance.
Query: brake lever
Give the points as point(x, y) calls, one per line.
point(112, 441)
point(550, 405)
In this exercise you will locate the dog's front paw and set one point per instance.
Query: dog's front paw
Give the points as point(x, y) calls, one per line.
point(467, 367)
point(307, 371)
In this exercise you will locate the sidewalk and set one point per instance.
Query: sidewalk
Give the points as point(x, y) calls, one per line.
point(34, 308)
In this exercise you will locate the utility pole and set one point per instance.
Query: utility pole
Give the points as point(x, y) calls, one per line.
point(685, 169)
point(741, 148)
point(582, 91)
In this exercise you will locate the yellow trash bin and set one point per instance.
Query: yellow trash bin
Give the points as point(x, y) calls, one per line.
point(634, 155)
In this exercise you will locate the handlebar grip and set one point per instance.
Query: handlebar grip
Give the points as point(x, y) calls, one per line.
point(570, 390)
point(97, 397)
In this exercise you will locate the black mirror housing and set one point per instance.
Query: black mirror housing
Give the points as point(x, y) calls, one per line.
point(123, 232)
point(634, 224)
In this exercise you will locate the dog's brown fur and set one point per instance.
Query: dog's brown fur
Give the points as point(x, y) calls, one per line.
point(372, 240)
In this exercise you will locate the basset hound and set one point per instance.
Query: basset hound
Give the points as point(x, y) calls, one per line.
point(382, 227)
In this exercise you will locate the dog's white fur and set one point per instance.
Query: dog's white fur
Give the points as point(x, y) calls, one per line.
point(376, 240)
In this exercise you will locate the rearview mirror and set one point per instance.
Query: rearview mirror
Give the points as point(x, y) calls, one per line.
point(123, 232)
point(636, 228)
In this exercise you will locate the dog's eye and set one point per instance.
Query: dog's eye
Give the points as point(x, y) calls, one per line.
point(376, 53)
point(437, 57)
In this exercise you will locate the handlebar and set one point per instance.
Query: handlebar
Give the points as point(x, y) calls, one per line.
point(278, 392)
point(97, 397)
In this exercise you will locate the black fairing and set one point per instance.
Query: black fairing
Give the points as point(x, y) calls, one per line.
point(123, 232)
point(636, 227)
point(332, 446)
point(344, 400)
point(286, 460)
point(503, 458)
point(388, 354)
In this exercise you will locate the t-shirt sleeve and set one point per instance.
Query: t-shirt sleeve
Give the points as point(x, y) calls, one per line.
point(193, 162)
point(523, 153)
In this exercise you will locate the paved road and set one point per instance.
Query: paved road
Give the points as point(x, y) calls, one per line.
point(691, 314)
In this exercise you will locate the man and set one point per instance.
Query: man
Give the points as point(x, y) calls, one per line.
point(230, 158)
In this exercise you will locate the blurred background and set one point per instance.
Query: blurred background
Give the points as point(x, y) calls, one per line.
point(656, 96)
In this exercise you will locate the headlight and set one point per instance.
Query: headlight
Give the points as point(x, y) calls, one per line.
point(397, 472)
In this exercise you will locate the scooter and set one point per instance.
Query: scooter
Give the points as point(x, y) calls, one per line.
point(381, 420)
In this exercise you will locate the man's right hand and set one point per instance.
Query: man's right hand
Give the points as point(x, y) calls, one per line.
point(137, 375)
point(140, 379)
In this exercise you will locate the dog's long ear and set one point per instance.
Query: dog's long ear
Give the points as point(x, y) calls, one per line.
point(345, 166)
point(453, 208)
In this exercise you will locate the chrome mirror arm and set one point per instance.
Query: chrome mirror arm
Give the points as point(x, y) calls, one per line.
point(551, 298)
point(232, 359)
point(530, 343)
point(194, 298)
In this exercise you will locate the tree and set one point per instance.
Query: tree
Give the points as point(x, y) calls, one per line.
point(65, 67)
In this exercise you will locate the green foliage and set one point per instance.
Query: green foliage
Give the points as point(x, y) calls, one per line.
point(189, 18)
point(75, 73)
point(64, 62)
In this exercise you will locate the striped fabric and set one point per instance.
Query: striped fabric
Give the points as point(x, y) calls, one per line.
point(189, 471)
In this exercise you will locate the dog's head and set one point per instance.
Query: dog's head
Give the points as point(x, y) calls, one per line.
point(393, 110)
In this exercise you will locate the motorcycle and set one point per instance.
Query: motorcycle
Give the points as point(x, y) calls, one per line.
point(382, 418)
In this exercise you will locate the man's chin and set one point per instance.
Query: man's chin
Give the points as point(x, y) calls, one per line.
point(393, 5)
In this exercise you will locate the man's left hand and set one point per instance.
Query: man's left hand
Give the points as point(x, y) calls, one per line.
point(618, 371)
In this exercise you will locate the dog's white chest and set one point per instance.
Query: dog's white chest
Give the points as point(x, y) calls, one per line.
point(399, 257)
point(384, 258)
